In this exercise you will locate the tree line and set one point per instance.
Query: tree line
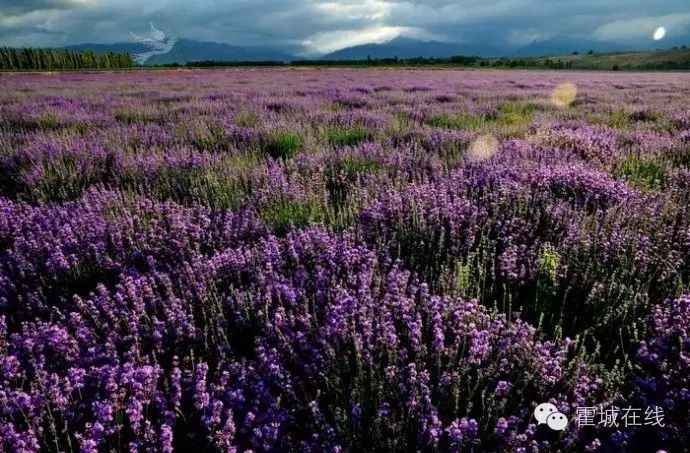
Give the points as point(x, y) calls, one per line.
point(416, 61)
point(27, 59)
point(36, 59)
point(458, 60)
point(455, 61)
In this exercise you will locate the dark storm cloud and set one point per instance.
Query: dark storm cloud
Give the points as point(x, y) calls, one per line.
point(14, 7)
point(321, 26)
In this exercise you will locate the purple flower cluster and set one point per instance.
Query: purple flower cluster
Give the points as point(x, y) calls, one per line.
point(662, 374)
point(255, 346)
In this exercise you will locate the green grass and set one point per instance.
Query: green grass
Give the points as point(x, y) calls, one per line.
point(681, 158)
point(192, 186)
point(346, 136)
point(547, 263)
point(341, 179)
point(47, 121)
point(511, 117)
point(515, 115)
point(342, 174)
point(80, 128)
point(356, 166)
point(619, 120)
point(283, 145)
point(133, 117)
point(61, 181)
point(284, 216)
point(211, 138)
point(330, 107)
point(641, 173)
point(212, 187)
point(246, 119)
point(457, 121)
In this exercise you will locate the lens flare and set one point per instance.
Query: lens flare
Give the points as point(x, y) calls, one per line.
point(564, 94)
point(659, 33)
point(483, 148)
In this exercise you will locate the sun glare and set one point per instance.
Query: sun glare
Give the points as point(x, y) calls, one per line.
point(564, 94)
point(483, 148)
point(659, 33)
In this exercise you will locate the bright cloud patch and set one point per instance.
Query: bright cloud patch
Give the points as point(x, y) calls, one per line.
point(368, 10)
point(331, 41)
point(635, 29)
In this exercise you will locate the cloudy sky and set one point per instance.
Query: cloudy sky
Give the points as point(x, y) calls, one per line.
point(314, 26)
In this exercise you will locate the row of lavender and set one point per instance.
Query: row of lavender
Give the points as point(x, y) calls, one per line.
point(321, 260)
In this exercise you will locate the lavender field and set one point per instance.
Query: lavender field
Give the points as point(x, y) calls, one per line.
point(343, 260)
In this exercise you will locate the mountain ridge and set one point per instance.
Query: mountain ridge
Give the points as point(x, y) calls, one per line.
point(186, 50)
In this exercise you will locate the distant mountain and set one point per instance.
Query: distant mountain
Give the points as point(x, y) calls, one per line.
point(408, 48)
point(189, 50)
point(565, 46)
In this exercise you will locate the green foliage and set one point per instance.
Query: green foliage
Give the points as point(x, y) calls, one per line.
point(331, 107)
point(342, 174)
point(47, 121)
point(61, 180)
point(284, 216)
point(211, 137)
point(548, 261)
point(201, 186)
point(60, 59)
point(133, 117)
point(619, 120)
point(283, 145)
point(246, 119)
point(681, 158)
point(464, 60)
point(622, 119)
point(356, 166)
point(457, 121)
point(346, 136)
point(513, 114)
point(80, 128)
point(640, 173)
point(191, 186)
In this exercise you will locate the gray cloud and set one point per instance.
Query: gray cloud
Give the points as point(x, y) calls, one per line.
point(14, 7)
point(323, 25)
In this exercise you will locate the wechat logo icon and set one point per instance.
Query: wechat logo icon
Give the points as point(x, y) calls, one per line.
point(547, 413)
